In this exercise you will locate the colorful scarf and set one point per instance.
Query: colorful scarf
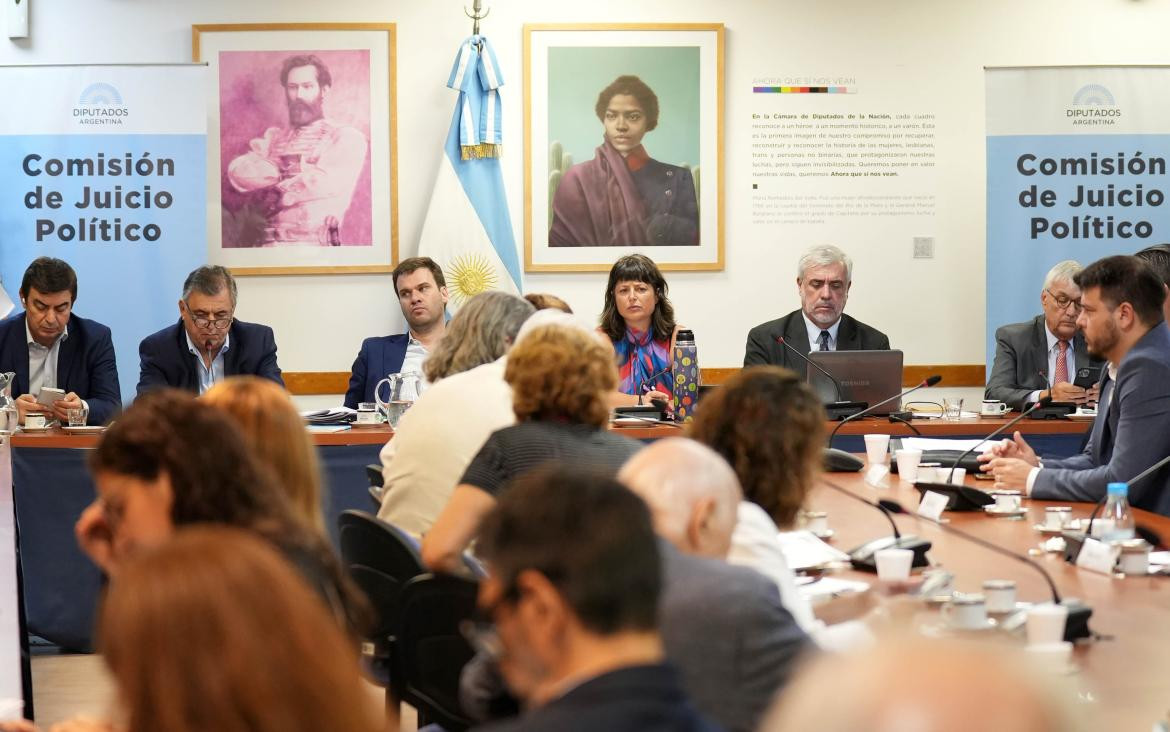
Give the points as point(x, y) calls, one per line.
point(643, 363)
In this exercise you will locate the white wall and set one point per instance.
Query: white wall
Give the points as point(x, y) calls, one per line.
point(932, 309)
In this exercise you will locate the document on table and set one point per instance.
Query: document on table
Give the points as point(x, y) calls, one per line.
point(803, 550)
point(941, 443)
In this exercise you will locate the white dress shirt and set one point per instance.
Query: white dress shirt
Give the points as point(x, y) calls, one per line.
point(42, 361)
point(416, 354)
point(1053, 352)
point(208, 377)
point(814, 333)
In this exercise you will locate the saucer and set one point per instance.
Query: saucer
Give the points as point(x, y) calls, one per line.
point(38, 430)
point(993, 511)
point(1047, 530)
point(91, 429)
point(824, 535)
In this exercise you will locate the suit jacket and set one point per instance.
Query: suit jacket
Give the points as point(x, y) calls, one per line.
point(1021, 356)
point(378, 358)
point(1129, 435)
point(632, 699)
point(726, 630)
point(85, 363)
point(762, 348)
point(165, 360)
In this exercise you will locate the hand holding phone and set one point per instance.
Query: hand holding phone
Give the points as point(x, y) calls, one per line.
point(48, 396)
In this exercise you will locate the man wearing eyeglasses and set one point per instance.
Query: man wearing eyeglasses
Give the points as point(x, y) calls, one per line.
point(207, 344)
point(1040, 358)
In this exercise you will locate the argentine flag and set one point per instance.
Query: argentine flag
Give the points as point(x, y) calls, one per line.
point(468, 230)
point(6, 304)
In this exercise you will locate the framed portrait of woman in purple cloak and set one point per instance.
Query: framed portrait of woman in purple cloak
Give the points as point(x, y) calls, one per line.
point(623, 145)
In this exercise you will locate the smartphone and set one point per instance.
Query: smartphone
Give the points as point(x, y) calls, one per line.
point(1087, 377)
point(49, 395)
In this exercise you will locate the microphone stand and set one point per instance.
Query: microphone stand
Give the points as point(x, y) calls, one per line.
point(839, 461)
point(1077, 625)
point(863, 558)
point(839, 409)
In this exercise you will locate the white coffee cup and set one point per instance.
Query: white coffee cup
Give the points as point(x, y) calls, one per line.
point(908, 464)
point(1046, 623)
point(993, 408)
point(957, 476)
point(1057, 517)
point(877, 449)
point(1000, 594)
point(966, 612)
point(893, 565)
point(34, 421)
point(930, 473)
point(367, 413)
point(1007, 501)
point(816, 521)
point(1135, 557)
point(1051, 657)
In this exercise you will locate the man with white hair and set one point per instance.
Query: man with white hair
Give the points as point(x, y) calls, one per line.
point(722, 626)
point(1040, 357)
point(823, 278)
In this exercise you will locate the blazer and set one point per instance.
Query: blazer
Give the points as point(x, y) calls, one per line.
point(378, 358)
point(762, 348)
point(165, 360)
point(85, 363)
point(1021, 356)
point(1129, 435)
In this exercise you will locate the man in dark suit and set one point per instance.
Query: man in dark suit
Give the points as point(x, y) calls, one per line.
point(422, 295)
point(572, 594)
point(824, 276)
point(208, 344)
point(1040, 358)
point(47, 345)
point(1122, 322)
point(723, 626)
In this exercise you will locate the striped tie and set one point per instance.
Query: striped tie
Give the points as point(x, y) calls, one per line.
point(823, 341)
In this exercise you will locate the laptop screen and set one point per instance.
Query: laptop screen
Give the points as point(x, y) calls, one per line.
point(864, 376)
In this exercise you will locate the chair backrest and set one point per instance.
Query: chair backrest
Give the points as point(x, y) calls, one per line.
point(432, 650)
point(381, 559)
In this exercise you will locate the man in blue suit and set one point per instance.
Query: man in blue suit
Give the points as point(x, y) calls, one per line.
point(1122, 322)
point(422, 295)
point(208, 344)
point(49, 346)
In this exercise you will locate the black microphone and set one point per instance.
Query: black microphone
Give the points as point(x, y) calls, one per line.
point(862, 558)
point(839, 409)
point(1077, 625)
point(1074, 540)
point(839, 461)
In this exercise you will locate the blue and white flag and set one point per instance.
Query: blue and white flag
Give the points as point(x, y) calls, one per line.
point(6, 304)
point(468, 230)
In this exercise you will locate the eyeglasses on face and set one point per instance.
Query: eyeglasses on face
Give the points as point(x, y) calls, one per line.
point(1063, 301)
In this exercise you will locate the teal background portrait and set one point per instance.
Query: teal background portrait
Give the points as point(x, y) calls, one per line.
point(576, 75)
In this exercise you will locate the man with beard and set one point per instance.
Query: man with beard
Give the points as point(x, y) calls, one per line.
point(306, 171)
point(823, 278)
point(1040, 358)
point(422, 295)
point(1121, 318)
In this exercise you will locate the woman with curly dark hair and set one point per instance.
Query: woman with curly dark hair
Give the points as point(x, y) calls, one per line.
point(561, 378)
point(769, 426)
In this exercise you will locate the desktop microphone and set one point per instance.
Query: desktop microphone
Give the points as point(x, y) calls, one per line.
point(839, 409)
point(862, 558)
point(839, 461)
point(1054, 409)
point(1077, 625)
point(965, 498)
point(1074, 540)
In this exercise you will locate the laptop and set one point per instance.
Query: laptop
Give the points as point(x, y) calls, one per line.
point(864, 376)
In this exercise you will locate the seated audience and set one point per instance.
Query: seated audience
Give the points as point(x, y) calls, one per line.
point(49, 346)
point(467, 401)
point(1040, 358)
point(275, 435)
point(723, 626)
point(572, 592)
point(1158, 258)
point(925, 685)
point(769, 426)
point(1121, 318)
point(170, 461)
point(208, 344)
point(186, 631)
point(545, 301)
point(561, 378)
point(422, 295)
point(638, 320)
point(823, 278)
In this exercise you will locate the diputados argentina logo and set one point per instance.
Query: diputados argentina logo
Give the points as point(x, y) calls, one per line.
point(100, 104)
point(1093, 105)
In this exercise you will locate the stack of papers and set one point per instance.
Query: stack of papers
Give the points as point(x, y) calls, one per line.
point(335, 416)
point(941, 443)
point(803, 550)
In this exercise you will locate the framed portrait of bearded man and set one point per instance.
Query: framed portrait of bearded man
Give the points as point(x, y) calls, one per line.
point(623, 145)
point(301, 163)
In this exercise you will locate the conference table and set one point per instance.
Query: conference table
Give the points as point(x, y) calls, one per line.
point(1121, 683)
point(52, 486)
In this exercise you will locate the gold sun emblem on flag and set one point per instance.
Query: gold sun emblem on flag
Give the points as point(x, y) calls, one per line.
point(468, 275)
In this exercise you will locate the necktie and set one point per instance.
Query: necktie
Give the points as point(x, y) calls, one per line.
point(1061, 374)
point(823, 341)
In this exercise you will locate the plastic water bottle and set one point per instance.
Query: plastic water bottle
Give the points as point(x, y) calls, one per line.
point(685, 373)
point(1117, 513)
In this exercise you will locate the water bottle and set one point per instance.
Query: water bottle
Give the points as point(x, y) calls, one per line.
point(685, 372)
point(1117, 514)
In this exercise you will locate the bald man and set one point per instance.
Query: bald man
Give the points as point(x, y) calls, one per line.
point(724, 627)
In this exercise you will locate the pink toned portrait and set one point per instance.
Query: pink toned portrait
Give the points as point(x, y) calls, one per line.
point(295, 148)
